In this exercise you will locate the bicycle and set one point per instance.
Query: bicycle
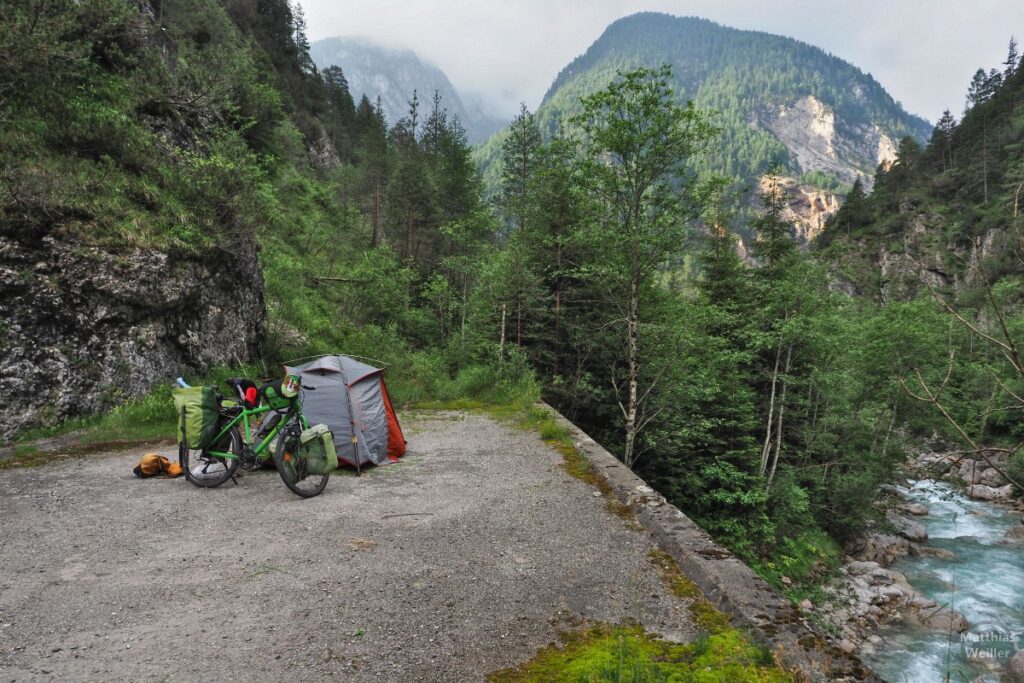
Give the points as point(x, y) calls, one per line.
point(232, 447)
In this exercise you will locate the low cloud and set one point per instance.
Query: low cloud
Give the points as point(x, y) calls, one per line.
point(922, 51)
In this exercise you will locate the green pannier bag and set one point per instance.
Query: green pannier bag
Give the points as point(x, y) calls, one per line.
point(318, 447)
point(197, 415)
point(274, 399)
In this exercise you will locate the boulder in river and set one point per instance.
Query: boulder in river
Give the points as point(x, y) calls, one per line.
point(916, 509)
point(937, 618)
point(881, 548)
point(990, 477)
point(1015, 535)
point(930, 551)
point(983, 492)
point(907, 528)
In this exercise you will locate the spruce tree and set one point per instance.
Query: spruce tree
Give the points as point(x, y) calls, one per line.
point(518, 153)
point(774, 243)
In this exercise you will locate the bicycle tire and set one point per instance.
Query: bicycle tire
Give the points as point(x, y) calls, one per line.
point(212, 470)
point(291, 466)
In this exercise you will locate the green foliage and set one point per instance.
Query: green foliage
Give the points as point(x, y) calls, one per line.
point(807, 559)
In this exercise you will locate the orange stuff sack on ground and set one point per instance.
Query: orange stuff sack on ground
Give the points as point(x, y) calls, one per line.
point(153, 465)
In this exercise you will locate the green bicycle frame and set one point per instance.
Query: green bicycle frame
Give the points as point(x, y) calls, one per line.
point(261, 448)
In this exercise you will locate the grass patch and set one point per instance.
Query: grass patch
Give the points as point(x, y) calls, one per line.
point(627, 654)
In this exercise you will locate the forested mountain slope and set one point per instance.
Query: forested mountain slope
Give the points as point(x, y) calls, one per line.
point(943, 207)
point(779, 101)
point(393, 75)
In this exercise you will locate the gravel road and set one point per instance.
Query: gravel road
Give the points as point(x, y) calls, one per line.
point(466, 557)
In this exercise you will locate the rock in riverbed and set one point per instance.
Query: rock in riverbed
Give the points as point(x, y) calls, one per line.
point(1015, 535)
point(983, 492)
point(907, 528)
point(916, 509)
point(881, 548)
point(871, 595)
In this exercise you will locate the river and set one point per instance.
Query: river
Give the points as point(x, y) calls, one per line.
point(984, 582)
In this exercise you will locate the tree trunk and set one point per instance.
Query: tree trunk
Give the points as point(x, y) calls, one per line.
point(888, 432)
point(519, 307)
point(408, 233)
point(501, 344)
point(766, 446)
point(376, 237)
point(465, 300)
point(558, 309)
point(984, 159)
point(778, 424)
point(632, 342)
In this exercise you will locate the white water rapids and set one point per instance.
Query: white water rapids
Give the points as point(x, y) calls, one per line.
point(984, 582)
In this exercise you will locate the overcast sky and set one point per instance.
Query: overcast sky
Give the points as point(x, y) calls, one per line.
point(923, 52)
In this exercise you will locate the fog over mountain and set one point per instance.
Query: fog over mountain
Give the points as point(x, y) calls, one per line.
point(393, 74)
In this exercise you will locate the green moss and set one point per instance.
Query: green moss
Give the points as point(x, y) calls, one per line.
point(627, 654)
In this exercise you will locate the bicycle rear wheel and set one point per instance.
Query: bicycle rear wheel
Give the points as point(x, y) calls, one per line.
point(204, 469)
point(290, 460)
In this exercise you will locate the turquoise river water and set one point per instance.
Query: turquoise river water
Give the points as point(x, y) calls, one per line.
point(984, 582)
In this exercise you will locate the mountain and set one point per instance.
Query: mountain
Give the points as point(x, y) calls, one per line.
point(394, 74)
point(778, 101)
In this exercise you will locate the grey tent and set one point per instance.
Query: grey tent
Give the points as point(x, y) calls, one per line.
point(352, 400)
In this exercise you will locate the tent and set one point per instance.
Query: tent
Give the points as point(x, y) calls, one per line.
point(352, 400)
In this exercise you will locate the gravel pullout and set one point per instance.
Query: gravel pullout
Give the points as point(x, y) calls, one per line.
point(468, 556)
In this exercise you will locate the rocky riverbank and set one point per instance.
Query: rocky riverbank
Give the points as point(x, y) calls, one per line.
point(977, 525)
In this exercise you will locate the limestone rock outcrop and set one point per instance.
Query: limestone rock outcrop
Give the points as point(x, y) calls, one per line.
point(820, 142)
point(85, 328)
point(806, 209)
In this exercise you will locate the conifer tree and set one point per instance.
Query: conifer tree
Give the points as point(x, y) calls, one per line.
point(941, 142)
point(1012, 60)
point(774, 244)
point(518, 159)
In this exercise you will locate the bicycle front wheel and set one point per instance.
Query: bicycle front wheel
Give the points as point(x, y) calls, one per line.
point(205, 469)
point(290, 460)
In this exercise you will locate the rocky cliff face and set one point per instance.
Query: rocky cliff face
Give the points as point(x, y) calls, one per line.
point(901, 266)
point(83, 328)
point(818, 142)
point(807, 208)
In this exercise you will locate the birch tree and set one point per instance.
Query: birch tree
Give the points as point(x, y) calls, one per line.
point(637, 141)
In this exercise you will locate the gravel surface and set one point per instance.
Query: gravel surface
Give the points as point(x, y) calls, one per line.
point(466, 557)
